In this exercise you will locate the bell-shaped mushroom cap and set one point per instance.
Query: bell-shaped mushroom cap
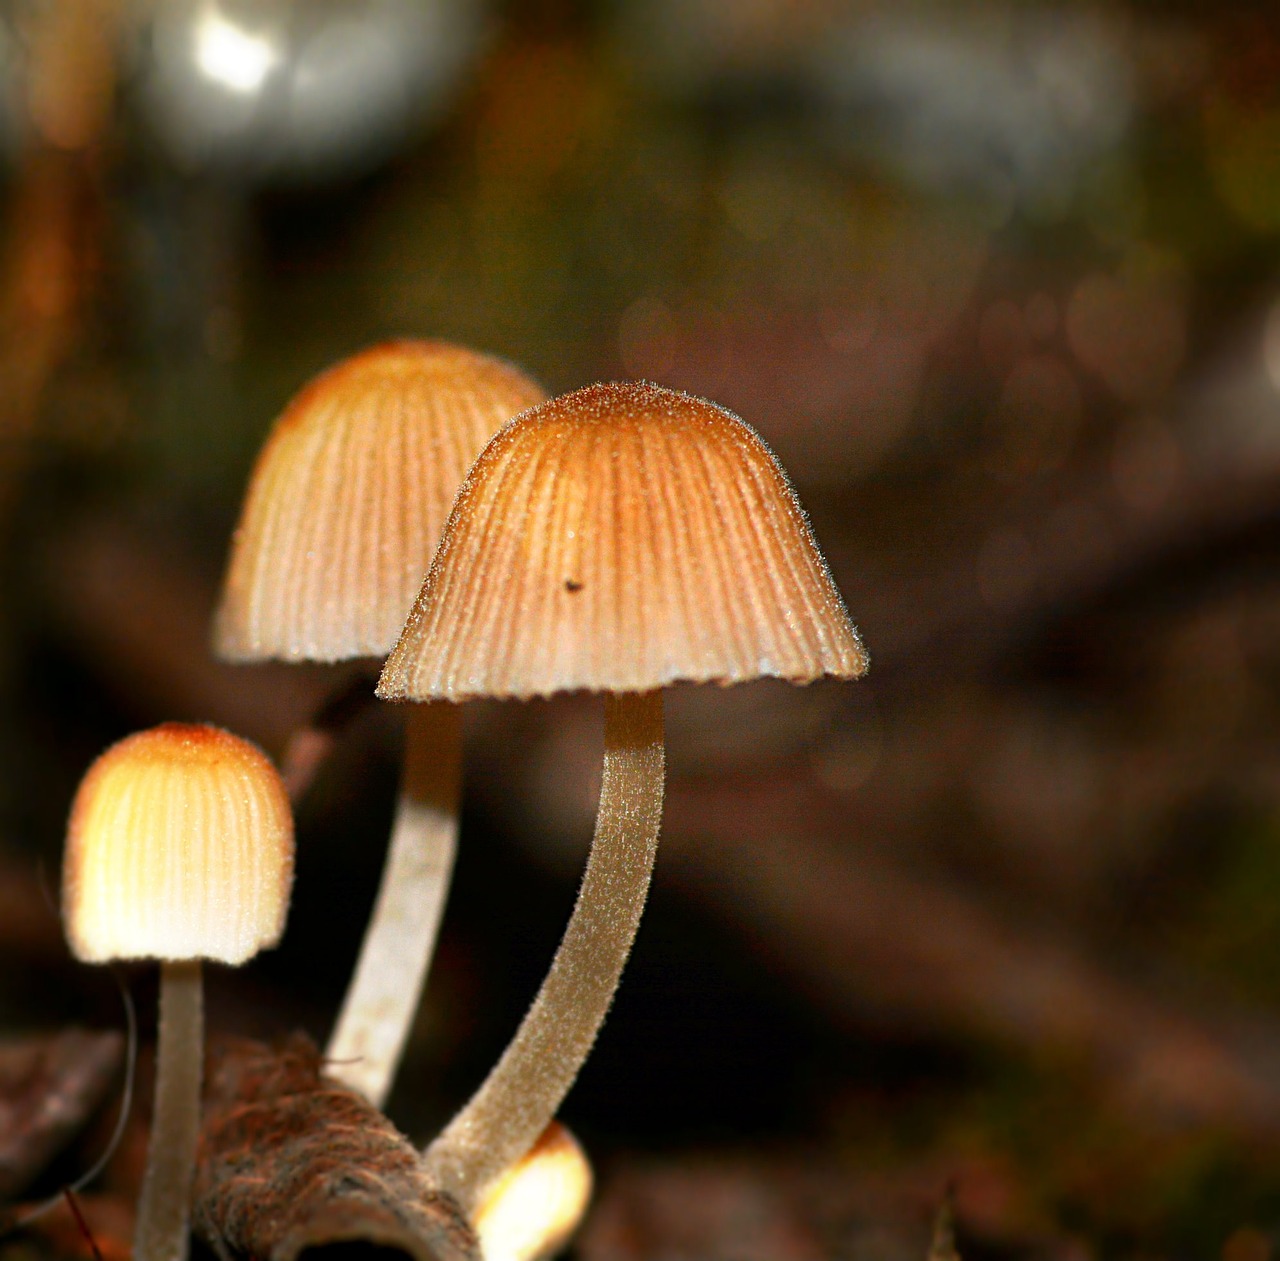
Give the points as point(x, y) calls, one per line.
point(621, 538)
point(180, 846)
point(348, 496)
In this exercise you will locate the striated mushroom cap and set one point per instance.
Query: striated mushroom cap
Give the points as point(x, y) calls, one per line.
point(620, 538)
point(348, 496)
point(180, 846)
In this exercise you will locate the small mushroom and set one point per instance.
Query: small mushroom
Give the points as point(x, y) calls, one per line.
point(342, 514)
point(532, 1211)
point(620, 538)
point(179, 848)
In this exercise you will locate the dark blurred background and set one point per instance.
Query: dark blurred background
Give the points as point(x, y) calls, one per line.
point(1000, 284)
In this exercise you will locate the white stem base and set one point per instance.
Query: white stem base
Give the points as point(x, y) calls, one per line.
point(382, 999)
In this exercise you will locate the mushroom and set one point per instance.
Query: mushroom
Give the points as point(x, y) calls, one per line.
point(532, 1211)
point(620, 538)
point(342, 514)
point(179, 848)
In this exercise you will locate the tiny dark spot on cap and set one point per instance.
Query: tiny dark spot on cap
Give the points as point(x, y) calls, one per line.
point(572, 584)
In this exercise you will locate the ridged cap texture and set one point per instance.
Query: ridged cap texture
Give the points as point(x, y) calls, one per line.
point(348, 496)
point(180, 846)
point(620, 538)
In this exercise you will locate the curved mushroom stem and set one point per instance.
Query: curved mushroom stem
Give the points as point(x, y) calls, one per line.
point(164, 1207)
point(520, 1097)
point(382, 998)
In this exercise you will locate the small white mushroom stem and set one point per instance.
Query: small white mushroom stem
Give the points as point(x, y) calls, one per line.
point(521, 1095)
point(382, 998)
point(164, 1207)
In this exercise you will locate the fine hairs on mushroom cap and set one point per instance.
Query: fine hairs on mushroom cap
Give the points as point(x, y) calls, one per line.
point(340, 520)
point(179, 849)
point(618, 539)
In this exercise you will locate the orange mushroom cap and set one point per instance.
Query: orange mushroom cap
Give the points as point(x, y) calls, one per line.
point(348, 496)
point(180, 846)
point(621, 538)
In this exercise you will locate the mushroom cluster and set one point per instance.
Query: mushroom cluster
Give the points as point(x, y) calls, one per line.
point(617, 539)
point(343, 512)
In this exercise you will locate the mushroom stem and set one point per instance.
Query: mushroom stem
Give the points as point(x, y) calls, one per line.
point(521, 1095)
point(382, 998)
point(164, 1207)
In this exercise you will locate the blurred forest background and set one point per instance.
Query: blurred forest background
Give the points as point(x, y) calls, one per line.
point(1000, 284)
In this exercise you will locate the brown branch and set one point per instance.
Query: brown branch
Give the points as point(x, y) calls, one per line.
point(290, 1160)
point(309, 746)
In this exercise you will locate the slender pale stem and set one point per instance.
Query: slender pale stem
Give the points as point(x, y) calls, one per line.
point(382, 998)
point(164, 1208)
point(521, 1095)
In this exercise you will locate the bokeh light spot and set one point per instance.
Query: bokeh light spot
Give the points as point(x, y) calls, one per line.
point(229, 55)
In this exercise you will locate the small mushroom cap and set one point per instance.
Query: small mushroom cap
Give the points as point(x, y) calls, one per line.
point(180, 846)
point(348, 496)
point(621, 538)
point(535, 1207)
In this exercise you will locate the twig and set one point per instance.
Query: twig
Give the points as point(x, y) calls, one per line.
point(290, 1160)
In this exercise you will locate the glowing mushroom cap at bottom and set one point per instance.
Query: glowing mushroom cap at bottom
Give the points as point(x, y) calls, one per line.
point(621, 538)
point(180, 846)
